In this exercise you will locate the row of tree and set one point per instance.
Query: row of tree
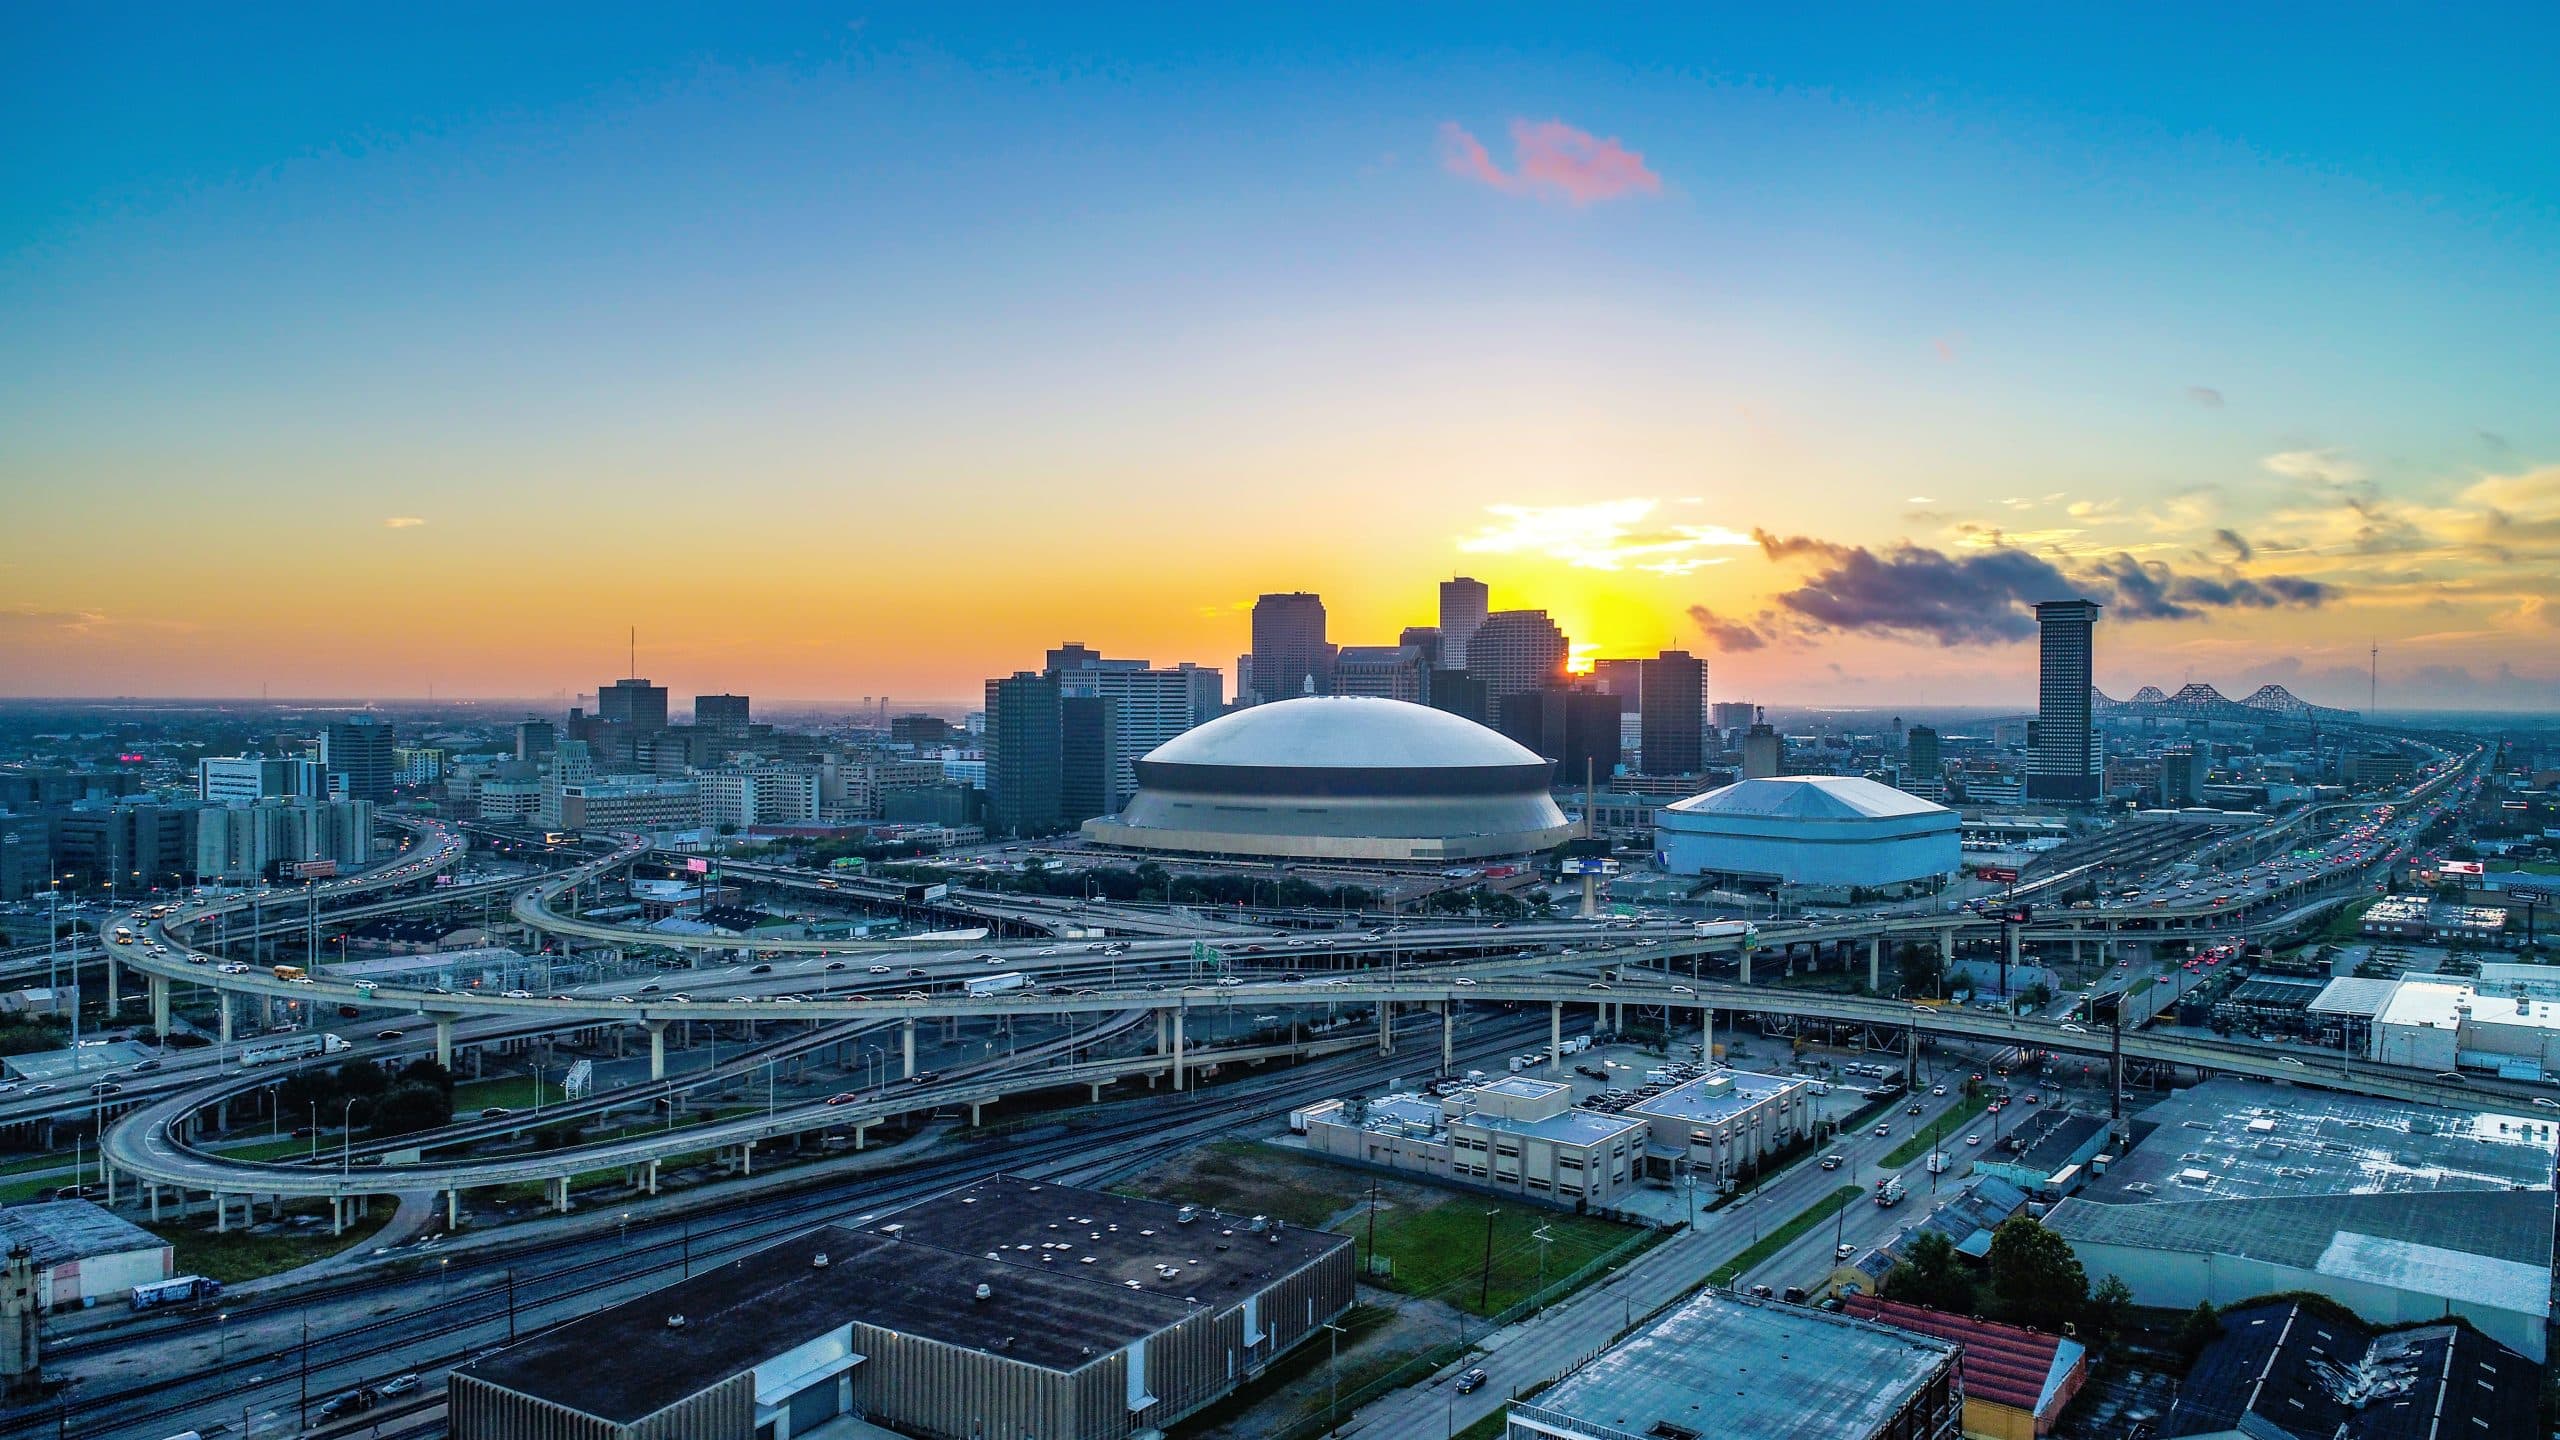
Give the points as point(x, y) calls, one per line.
point(418, 1096)
point(2032, 1278)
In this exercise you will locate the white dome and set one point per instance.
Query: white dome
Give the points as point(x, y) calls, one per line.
point(1807, 797)
point(1342, 732)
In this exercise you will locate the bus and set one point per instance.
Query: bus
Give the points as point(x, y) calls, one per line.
point(559, 837)
point(292, 972)
point(178, 1290)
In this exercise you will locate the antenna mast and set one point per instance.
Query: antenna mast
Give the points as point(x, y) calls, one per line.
point(635, 652)
point(2373, 682)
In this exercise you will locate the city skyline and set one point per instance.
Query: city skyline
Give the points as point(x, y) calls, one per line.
point(381, 357)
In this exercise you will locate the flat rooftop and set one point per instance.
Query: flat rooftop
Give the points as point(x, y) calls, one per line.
point(58, 1231)
point(1571, 1127)
point(1719, 1095)
point(1744, 1369)
point(2444, 1004)
point(2239, 1139)
point(1072, 1275)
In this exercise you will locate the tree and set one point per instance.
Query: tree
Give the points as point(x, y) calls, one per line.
point(1931, 1273)
point(427, 1072)
point(2201, 1328)
point(406, 1109)
point(362, 1078)
point(2110, 1306)
point(2035, 1279)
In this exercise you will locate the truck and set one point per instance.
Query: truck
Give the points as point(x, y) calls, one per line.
point(300, 1047)
point(177, 1290)
point(995, 984)
point(1726, 929)
point(1889, 1192)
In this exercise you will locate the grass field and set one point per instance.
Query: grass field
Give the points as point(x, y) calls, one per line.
point(1953, 1123)
point(1431, 1239)
point(239, 1255)
point(1785, 1235)
point(512, 1091)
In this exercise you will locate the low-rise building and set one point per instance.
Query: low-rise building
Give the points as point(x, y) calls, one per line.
point(629, 802)
point(2442, 922)
point(1010, 1308)
point(2235, 1189)
point(2443, 1023)
point(1515, 1134)
point(2046, 1154)
point(2283, 1371)
point(1720, 1366)
point(83, 1253)
point(2017, 1381)
point(1725, 1122)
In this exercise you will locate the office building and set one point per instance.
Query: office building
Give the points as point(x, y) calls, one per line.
point(1833, 831)
point(1515, 651)
point(1671, 703)
point(129, 845)
point(535, 739)
point(417, 764)
point(2237, 1189)
point(1724, 1366)
point(1464, 603)
point(628, 802)
point(26, 855)
point(1009, 1309)
point(920, 732)
point(243, 844)
point(1516, 1135)
point(2065, 764)
point(358, 749)
point(248, 779)
point(1025, 769)
point(2184, 770)
point(1733, 715)
point(721, 712)
point(1460, 694)
point(759, 795)
point(1290, 654)
point(1723, 1124)
point(1384, 672)
point(1763, 755)
point(1339, 778)
point(1149, 706)
point(1576, 729)
point(633, 702)
point(1088, 759)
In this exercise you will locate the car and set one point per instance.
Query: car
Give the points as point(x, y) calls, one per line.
point(397, 1385)
point(915, 974)
point(106, 1087)
point(1843, 1252)
point(1764, 1292)
point(845, 1099)
point(835, 964)
point(1973, 1139)
point(495, 1112)
point(1916, 1109)
point(1462, 980)
point(649, 989)
point(390, 1034)
point(761, 970)
point(679, 998)
point(354, 1402)
point(915, 997)
point(519, 994)
point(924, 1077)
point(1883, 1130)
point(1833, 1162)
point(1937, 1089)
point(1472, 1381)
point(1794, 1295)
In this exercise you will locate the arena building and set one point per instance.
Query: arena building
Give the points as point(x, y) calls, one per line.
point(1824, 831)
point(1339, 778)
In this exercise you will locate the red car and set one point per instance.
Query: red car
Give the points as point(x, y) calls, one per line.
point(846, 1099)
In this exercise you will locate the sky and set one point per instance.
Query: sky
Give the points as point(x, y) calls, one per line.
point(854, 350)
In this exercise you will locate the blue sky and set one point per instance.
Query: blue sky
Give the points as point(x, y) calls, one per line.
point(740, 294)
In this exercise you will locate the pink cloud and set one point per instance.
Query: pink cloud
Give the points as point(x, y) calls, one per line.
point(1550, 160)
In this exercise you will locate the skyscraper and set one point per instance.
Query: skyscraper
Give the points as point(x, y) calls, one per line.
point(1149, 706)
point(1025, 766)
point(1464, 602)
point(534, 739)
point(1389, 672)
point(359, 748)
point(1515, 651)
point(1290, 655)
point(1088, 764)
point(1925, 771)
point(2065, 764)
point(1672, 708)
point(1577, 729)
point(633, 702)
point(720, 712)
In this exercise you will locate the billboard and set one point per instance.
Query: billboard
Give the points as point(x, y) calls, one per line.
point(936, 892)
point(1588, 865)
point(315, 869)
point(697, 865)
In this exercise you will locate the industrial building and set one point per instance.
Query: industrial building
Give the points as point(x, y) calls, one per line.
point(82, 1253)
point(1010, 1308)
point(1723, 1123)
point(2017, 1381)
point(2282, 1371)
point(1515, 1134)
point(2442, 922)
point(1339, 778)
point(1725, 1366)
point(2504, 1026)
point(2048, 1153)
point(1830, 832)
point(2235, 1189)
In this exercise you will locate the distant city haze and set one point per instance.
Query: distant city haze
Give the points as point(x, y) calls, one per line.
point(376, 354)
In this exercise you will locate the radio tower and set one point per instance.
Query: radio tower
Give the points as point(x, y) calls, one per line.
point(2373, 682)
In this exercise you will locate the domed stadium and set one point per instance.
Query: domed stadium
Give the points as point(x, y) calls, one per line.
point(1339, 778)
point(1822, 830)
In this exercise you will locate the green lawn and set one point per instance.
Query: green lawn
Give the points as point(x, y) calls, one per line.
point(1785, 1235)
point(282, 1147)
point(1441, 1250)
point(1954, 1121)
point(515, 1092)
point(238, 1255)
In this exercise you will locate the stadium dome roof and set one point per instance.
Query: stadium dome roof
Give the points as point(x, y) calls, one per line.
point(1807, 797)
point(1342, 732)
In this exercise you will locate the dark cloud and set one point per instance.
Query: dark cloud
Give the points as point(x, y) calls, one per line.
point(1987, 596)
point(2236, 546)
point(1727, 636)
point(2493, 440)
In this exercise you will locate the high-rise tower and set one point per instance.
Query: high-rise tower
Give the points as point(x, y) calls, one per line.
point(1464, 603)
point(2065, 764)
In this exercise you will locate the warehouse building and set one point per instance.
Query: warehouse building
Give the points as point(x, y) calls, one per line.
point(1009, 1309)
point(2236, 1188)
point(1726, 1122)
point(83, 1254)
point(1828, 832)
point(2505, 1027)
point(2017, 1381)
point(1732, 1368)
point(2282, 1371)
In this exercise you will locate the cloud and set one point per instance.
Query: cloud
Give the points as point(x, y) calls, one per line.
point(2318, 467)
point(1987, 596)
point(1727, 635)
point(2235, 546)
point(28, 622)
point(1603, 535)
point(1550, 161)
point(2206, 396)
point(2493, 440)
point(402, 522)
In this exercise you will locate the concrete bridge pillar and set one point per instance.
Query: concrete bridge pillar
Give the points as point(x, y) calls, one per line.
point(160, 1004)
point(649, 1177)
point(444, 1042)
point(1875, 964)
point(657, 1048)
point(907, 1048)
point(1746, 965)
point(1177, 1049)
point(115, 990)
point(977, 1112)
point(1386, 1027)
point(1555, 1036)
point(222, 1008)
point(1706, 1035)
point(452, 1210)
point(1448, 1035)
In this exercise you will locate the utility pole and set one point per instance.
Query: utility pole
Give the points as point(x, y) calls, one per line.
point(1484, 1278)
